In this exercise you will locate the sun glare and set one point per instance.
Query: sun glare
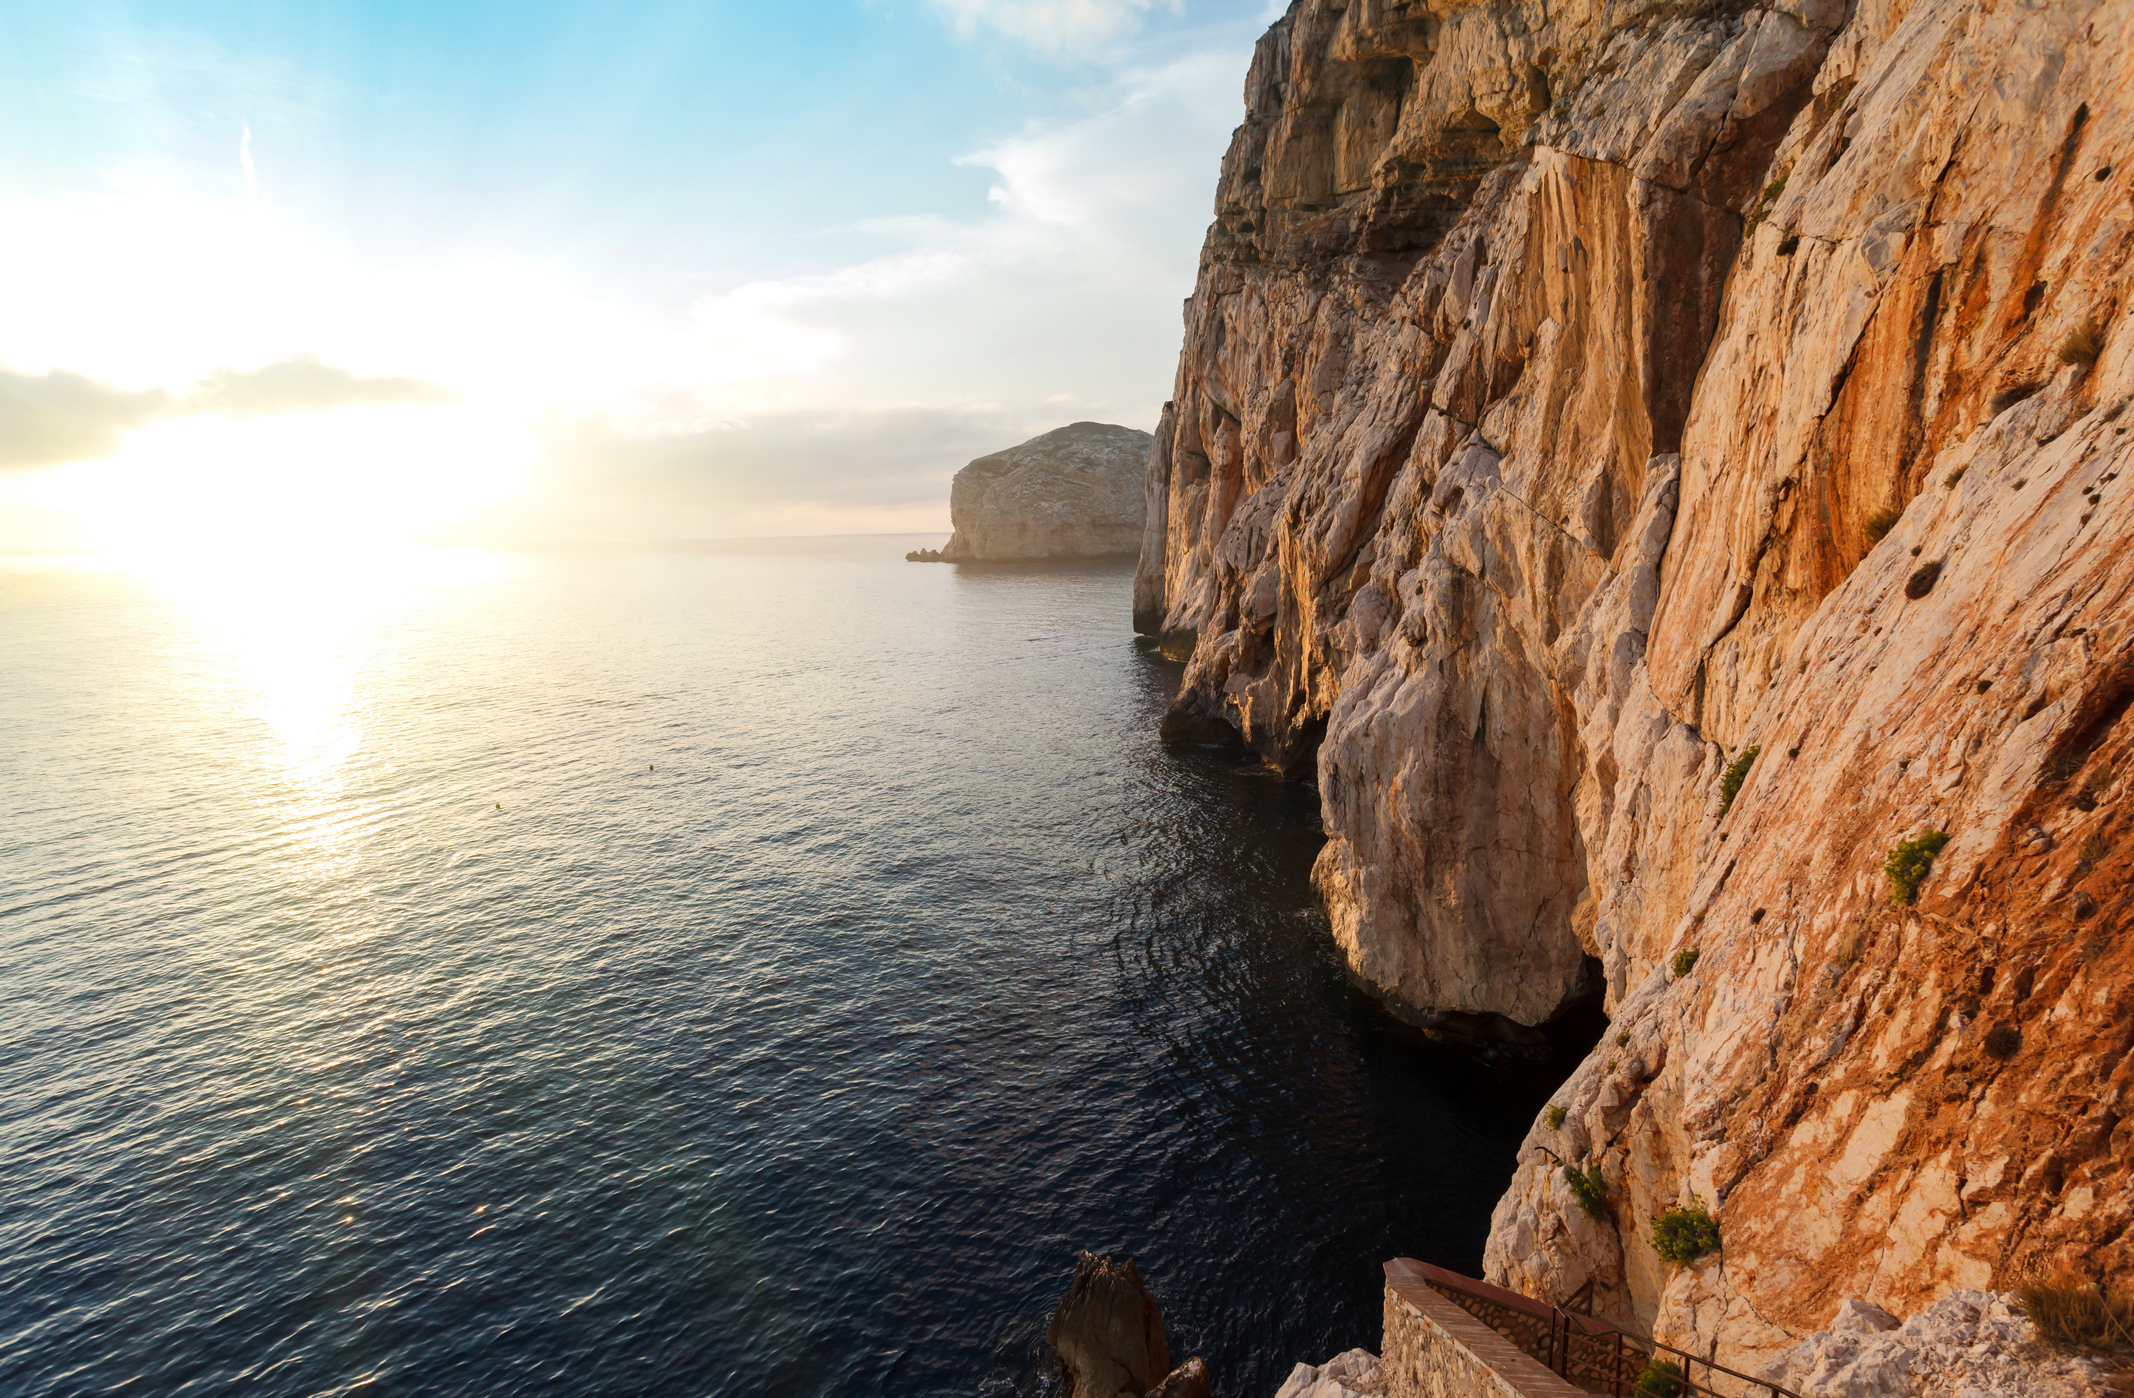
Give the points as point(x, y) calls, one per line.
point(210, 490)
point(290, 640)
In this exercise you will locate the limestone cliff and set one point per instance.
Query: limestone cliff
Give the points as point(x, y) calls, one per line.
point(1074, 492)
point(1575, 397)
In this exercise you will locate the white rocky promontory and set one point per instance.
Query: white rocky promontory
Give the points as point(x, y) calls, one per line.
point(1968, 1343)
point(1075, 492)
point(1353, 1373)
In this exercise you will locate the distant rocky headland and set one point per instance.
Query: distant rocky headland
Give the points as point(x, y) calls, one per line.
point(1657, 471)
point(1074, 492)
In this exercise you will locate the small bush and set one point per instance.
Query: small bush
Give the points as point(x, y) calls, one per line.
point(1554, 1117)
point(2076, 1312)
point(2082, 346)
point(1762, 209)
point(1685, 961)
point(1622, 1040)
point(1910, 862)
point(1586, 1185)
point(1684, 1235)
point(2002, 1042)
point(1881, 522)
point(1662, 1379)
point(1954, 477)
point(2062, 765)
point(1922, 580)
point(1735, 774)
point(2092, 852)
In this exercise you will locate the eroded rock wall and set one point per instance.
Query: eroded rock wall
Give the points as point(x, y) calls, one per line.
point(1550, 378)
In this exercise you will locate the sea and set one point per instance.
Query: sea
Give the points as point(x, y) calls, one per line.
point(738, 969)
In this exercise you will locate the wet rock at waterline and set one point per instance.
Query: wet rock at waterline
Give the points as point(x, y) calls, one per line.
point(1109, 1334)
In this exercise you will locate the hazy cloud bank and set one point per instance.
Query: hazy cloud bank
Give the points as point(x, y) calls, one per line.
point(56, 417)
point(797, 470)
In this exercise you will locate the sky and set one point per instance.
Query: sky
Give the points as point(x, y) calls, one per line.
point(322, 273)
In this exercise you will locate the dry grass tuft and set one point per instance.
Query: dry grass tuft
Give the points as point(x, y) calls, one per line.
point(2076, 1312)
point(1881, 522)
point(2082, 346)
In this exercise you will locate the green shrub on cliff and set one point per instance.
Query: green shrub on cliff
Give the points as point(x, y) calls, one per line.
point(1586, 1185)
point(1554, 1117)
point(1662, 1379)
point(1909, 863)
point(1736, 773)
point(1684, 1235)
point(1685, 962)
point(1761, 210)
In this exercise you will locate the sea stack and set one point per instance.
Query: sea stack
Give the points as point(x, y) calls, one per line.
point(1074, 492)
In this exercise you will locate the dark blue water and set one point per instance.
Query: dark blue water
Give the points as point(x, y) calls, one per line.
point(732, 972)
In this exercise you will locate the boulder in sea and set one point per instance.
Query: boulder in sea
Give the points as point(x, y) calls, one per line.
point(1109, 1335)
point(1188, 1380)
point(1074, 492)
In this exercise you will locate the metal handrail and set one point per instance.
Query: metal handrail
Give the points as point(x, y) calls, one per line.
point(1565, 1325)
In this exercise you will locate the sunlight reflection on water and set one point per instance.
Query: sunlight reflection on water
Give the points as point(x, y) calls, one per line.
point(741, 971)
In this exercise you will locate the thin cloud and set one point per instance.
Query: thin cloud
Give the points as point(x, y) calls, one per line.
point(1057, 27)
point(301, 383)
point(56, 417)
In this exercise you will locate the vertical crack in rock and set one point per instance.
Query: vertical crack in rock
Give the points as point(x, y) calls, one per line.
point(1551, 381)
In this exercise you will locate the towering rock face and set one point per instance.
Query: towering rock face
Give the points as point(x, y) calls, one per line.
point(1575, 397)
point(1074, 492)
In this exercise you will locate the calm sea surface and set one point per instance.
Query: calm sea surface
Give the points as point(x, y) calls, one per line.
point(746, 971)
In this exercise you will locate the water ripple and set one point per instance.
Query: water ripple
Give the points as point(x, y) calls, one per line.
point(748, 972)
